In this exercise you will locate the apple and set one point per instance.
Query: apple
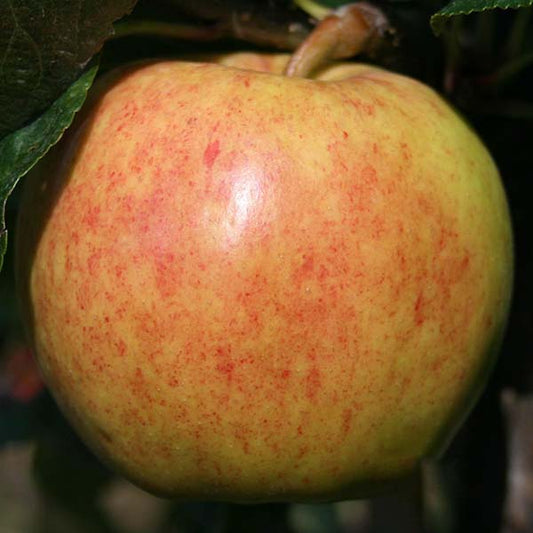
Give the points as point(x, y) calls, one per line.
point(249, 287)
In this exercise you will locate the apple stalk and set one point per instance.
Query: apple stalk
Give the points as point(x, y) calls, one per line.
point(343, 33)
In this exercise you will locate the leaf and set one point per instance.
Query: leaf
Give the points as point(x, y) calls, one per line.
point(20, 150)
point(44, 47)
point(465, 7)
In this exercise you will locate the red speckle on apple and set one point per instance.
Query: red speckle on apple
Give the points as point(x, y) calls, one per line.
point(211, 153)
point(419, 316)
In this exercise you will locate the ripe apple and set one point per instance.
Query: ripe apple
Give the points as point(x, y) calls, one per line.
point(244, 286)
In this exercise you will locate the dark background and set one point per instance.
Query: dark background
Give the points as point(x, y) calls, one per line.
point(49, 482)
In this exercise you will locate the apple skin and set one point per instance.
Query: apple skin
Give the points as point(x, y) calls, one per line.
point(242, 286)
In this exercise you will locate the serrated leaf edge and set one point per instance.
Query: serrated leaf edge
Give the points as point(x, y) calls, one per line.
point(439, 18)
point(87, 79)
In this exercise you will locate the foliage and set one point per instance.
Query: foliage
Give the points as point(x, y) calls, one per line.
point(44, 48)
point(465, 7)
point(20, 150)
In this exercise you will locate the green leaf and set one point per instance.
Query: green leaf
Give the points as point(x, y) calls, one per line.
point(44, 47)
point(20, 150)
point(465, 7)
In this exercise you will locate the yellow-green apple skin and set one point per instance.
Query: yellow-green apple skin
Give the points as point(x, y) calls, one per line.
point(242, 286)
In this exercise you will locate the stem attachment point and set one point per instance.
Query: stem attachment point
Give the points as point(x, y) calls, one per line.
point(345, 32)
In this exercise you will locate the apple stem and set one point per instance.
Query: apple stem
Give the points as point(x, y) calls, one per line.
point(166, 29)
point(344, 32)
point(287, 37)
